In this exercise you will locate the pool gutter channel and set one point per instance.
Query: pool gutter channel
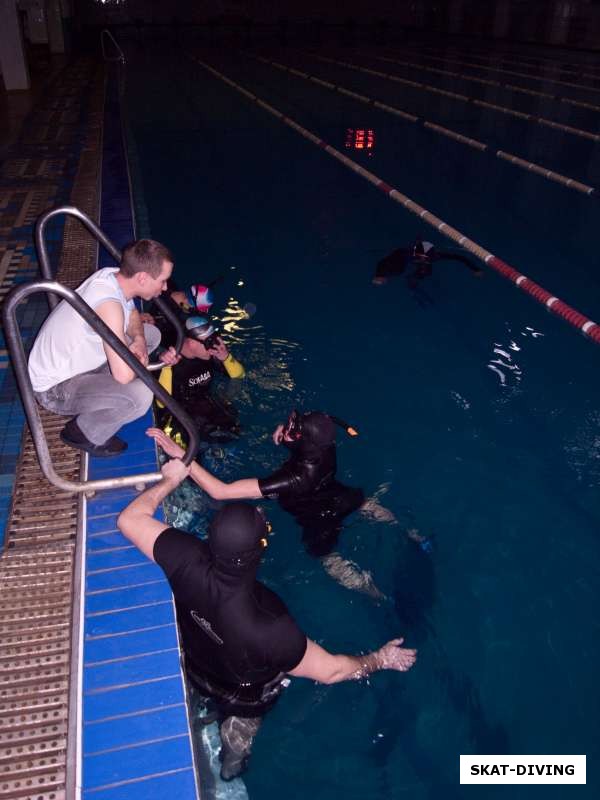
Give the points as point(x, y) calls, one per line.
point(40, 566)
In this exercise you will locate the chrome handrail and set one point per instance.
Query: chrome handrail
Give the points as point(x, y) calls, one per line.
point(98, 233)
point(19, 360)
point(121, 55)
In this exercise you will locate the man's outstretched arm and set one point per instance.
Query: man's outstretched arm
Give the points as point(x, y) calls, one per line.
point(244, 489)
point(137, 523)
point(324, 667)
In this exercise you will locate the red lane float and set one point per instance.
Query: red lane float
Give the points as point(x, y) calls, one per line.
point(552, 303)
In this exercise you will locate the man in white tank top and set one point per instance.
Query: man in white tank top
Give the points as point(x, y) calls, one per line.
point(72, 370)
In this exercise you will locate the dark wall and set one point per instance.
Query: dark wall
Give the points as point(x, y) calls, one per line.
point(574, 23)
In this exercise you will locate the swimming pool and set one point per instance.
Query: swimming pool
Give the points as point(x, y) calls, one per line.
point(478, 411)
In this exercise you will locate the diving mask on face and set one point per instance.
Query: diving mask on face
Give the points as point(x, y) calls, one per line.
point(203, 331)
point(293, 427)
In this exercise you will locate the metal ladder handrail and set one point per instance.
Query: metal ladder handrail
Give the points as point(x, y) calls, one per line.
point(121, 55)
point(19, 360)
point(102, 238)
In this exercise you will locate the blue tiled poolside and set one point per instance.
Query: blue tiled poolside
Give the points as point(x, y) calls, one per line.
point(134, 735)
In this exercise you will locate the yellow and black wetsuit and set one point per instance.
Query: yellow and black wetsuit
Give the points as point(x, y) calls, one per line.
point(190, 383)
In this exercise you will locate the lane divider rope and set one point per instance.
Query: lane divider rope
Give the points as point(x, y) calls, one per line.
point(578, 86)
point(529, 166)
point(537, 62)
point(595, 137)
point(513, 87)
point(552, 303)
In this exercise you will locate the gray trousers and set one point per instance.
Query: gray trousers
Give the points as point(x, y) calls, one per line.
point(101, 404)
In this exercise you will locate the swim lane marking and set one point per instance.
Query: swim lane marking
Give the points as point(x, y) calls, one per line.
point(462, 97)
point(529, 166)
point(510, 86)
point(556, 306)
point(577, 86)
point(481, 55)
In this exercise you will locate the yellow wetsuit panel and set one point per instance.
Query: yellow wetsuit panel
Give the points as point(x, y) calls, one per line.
point(233, 367)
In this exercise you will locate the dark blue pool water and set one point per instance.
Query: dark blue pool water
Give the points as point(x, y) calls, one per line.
point(479, 412)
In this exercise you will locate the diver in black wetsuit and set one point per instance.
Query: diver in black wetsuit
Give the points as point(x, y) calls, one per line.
point(422, 255)
point(238, 637)
point(305, 486)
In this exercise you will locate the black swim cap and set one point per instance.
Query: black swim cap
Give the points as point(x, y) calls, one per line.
point(234, 537)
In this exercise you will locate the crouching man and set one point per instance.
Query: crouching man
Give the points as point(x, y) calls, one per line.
point(239, 640)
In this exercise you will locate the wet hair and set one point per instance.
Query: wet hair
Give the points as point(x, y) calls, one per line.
point(145, 255)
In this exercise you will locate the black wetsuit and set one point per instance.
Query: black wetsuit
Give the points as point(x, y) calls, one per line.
point(238, 637)
point(306, 487)
point(215, 418)
point(399, 260)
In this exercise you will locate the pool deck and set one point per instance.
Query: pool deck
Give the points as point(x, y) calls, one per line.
point(125, 732)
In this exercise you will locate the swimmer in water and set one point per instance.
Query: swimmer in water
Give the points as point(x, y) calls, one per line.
point(422, 255)
point(305, 486)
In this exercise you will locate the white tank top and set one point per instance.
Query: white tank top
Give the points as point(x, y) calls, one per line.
point(66, 345)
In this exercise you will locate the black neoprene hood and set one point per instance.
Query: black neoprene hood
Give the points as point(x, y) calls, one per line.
point(236, 532)
point(318, 428)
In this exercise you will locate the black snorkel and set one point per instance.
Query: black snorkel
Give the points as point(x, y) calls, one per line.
point(349, 429)
point(293, 427)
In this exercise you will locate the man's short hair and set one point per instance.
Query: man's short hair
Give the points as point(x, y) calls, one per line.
point(145, 255)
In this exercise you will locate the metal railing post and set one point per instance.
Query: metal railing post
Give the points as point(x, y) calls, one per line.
point(120, 54)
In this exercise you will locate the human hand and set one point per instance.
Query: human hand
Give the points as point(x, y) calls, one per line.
point(139, 349)
point(175, 471)
point(170, 447)
point(392, 656)
point(278, 434)
point(219, 349)
point(148, 319)
point(170, 357)
point(180, 299)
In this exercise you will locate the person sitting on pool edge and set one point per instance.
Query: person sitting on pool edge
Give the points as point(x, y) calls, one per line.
point(75, 373)
point(190, 383)
point(238, 639)
point(423, 255)
point(306, 487)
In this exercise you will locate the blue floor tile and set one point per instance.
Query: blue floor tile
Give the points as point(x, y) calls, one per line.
point(127, 597)
point(179, 785)
point(131, 644)
point(162, 723)
point(133, 670)
point(121, 622)
point(137, 762)
point(144, 571)
point(132, 699)
point(99, 541)
point(114, 558)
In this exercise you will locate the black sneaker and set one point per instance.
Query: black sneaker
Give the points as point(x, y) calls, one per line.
point(72, 435)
